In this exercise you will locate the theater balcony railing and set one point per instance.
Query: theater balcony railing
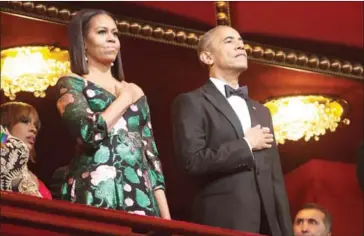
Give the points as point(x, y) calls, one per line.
point(26, 215)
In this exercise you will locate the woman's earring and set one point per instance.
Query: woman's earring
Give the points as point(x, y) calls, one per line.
point(86, 59)
point(112, 63)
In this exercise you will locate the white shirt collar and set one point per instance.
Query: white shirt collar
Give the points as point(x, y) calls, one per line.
point(220, 85)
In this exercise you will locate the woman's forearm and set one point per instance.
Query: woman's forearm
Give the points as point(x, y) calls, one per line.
point(162, 203)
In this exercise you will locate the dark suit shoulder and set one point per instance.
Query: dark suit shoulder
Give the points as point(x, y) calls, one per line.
point(196, 92)
point(193, 94)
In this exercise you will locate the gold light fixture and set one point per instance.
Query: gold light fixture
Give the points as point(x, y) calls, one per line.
point(307, 117)
point(32, 69)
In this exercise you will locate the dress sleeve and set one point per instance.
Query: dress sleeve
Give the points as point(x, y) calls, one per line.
point(155, 171)
point(72, 105)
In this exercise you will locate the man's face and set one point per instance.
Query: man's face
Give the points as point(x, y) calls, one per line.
point(310, 222)
point(227, 49)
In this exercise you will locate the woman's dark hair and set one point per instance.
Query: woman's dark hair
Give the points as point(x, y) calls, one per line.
point(77, 31)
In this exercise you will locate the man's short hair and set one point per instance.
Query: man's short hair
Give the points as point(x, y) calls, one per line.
point(205, 41)
point(328, 217)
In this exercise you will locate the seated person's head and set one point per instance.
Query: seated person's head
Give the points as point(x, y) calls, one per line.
point(22, 121)
point(312, 220)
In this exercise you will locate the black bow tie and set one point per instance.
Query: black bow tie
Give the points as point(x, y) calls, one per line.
point(241, 92)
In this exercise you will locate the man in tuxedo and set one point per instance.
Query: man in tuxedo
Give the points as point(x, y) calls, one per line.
point(225, 140)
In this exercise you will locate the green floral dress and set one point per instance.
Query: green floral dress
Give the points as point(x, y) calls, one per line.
point(118, 169)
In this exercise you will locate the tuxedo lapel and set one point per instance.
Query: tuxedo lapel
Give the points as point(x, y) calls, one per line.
point(253, 113)
point(218, 100)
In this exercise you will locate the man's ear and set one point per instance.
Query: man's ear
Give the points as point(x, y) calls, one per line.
point(207, 58)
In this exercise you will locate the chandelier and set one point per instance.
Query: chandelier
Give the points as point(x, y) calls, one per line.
point(297, 117)
point(32, 69)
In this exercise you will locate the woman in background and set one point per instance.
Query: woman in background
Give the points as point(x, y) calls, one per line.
point(19, 128)
point(117, 165)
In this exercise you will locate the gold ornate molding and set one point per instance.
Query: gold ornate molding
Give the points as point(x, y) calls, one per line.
point(127, 26)
point(189, 38)
point(303, 61)
point(222, 9)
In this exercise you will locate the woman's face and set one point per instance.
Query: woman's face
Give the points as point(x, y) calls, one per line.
point(26, 130)
point(101, 42)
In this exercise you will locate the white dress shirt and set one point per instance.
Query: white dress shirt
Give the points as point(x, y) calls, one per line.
point(238, 104)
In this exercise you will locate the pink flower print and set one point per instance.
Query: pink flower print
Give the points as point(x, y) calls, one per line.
point(142, 213)
point(129, 202)
point(134, 108)
point(98, 137)
point(73, 195)
point(85, 175)
point(147, 180)
point(90, 93)
point(127, 187)
point(150, 154)
point(158, 166)
point(102, 173)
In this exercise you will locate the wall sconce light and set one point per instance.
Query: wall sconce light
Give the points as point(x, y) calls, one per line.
point(32, 69)
point(307, 117)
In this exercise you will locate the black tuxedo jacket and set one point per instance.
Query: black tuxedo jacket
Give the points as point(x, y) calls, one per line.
point(235, 183)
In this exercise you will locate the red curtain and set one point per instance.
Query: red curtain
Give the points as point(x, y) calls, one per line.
point(333, 185)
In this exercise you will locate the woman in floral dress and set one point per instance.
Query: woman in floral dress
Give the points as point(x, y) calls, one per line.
point(117, 165)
